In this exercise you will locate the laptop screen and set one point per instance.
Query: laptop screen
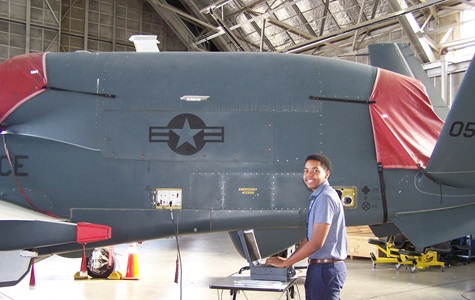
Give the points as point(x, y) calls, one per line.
point(249, 244)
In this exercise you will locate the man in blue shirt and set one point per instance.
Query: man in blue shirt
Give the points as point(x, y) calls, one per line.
point(326, 242)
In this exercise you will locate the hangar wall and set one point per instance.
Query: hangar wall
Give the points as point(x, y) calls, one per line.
point(71, 25)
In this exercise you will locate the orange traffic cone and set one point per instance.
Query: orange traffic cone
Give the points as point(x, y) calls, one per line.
point(132, 264)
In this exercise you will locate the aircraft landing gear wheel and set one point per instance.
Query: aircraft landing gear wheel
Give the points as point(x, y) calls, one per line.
point(98, 265)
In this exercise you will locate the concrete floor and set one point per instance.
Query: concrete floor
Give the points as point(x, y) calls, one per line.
point(208, 258)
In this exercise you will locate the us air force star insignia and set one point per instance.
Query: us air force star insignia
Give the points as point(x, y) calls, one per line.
point(186, 134)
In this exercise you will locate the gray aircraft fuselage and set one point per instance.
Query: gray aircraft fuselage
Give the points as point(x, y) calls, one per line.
point(114, 130)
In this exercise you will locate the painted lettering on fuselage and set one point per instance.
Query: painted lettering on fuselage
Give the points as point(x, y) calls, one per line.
point(17, 163)
point(247, 191)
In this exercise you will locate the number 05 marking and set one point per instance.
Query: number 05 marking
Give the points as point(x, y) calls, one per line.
point(459, 128)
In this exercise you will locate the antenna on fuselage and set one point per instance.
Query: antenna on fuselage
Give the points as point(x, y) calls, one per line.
point(145, 43)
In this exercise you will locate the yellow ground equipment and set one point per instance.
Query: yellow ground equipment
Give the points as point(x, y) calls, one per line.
point(390, 251)
point(400, 252)
point(423, 260)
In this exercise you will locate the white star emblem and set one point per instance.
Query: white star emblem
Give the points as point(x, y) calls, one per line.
point(186, 134)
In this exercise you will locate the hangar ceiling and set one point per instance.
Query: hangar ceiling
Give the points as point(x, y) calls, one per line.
point(316, 27)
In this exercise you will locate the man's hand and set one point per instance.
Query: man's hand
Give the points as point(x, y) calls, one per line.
point(276, 261)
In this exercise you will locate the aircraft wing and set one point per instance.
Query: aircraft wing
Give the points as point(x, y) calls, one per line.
point(21, 229)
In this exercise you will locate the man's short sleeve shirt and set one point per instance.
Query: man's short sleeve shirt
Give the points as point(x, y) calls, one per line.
point(325, 207)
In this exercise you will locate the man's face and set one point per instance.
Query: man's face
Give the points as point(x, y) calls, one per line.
point(314, 174)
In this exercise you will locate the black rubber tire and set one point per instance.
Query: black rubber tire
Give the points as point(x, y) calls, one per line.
point(100, 269)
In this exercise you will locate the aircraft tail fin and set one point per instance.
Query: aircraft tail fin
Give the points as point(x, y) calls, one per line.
point(452, 162)
point(399, 58)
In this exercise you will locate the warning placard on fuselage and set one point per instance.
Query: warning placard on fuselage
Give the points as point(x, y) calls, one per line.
point(168, 198)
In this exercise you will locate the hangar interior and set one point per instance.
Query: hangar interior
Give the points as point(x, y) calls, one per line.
point(440, 32)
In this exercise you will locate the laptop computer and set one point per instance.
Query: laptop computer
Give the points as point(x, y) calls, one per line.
point(259, 271)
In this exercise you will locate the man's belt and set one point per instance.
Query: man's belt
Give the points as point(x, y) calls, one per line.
point(312, 261)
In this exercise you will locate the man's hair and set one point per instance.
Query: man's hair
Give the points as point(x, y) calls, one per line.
point(324, 161)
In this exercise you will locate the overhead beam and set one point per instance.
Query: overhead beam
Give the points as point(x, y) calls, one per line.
point(271, 20)
point(366, 31)
point(305, 46)
point(292, 29)
point(185, 15)
point(264, 39)
point(303, 20)
point(254, 19)
point(244, 8)
point(360, 17)
point(324, 18)
point(220, 42)
point(286, 26)
point(262, 16)
point(263, 34)
point(173, 20)
point(229, 33)
point(413, 31)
